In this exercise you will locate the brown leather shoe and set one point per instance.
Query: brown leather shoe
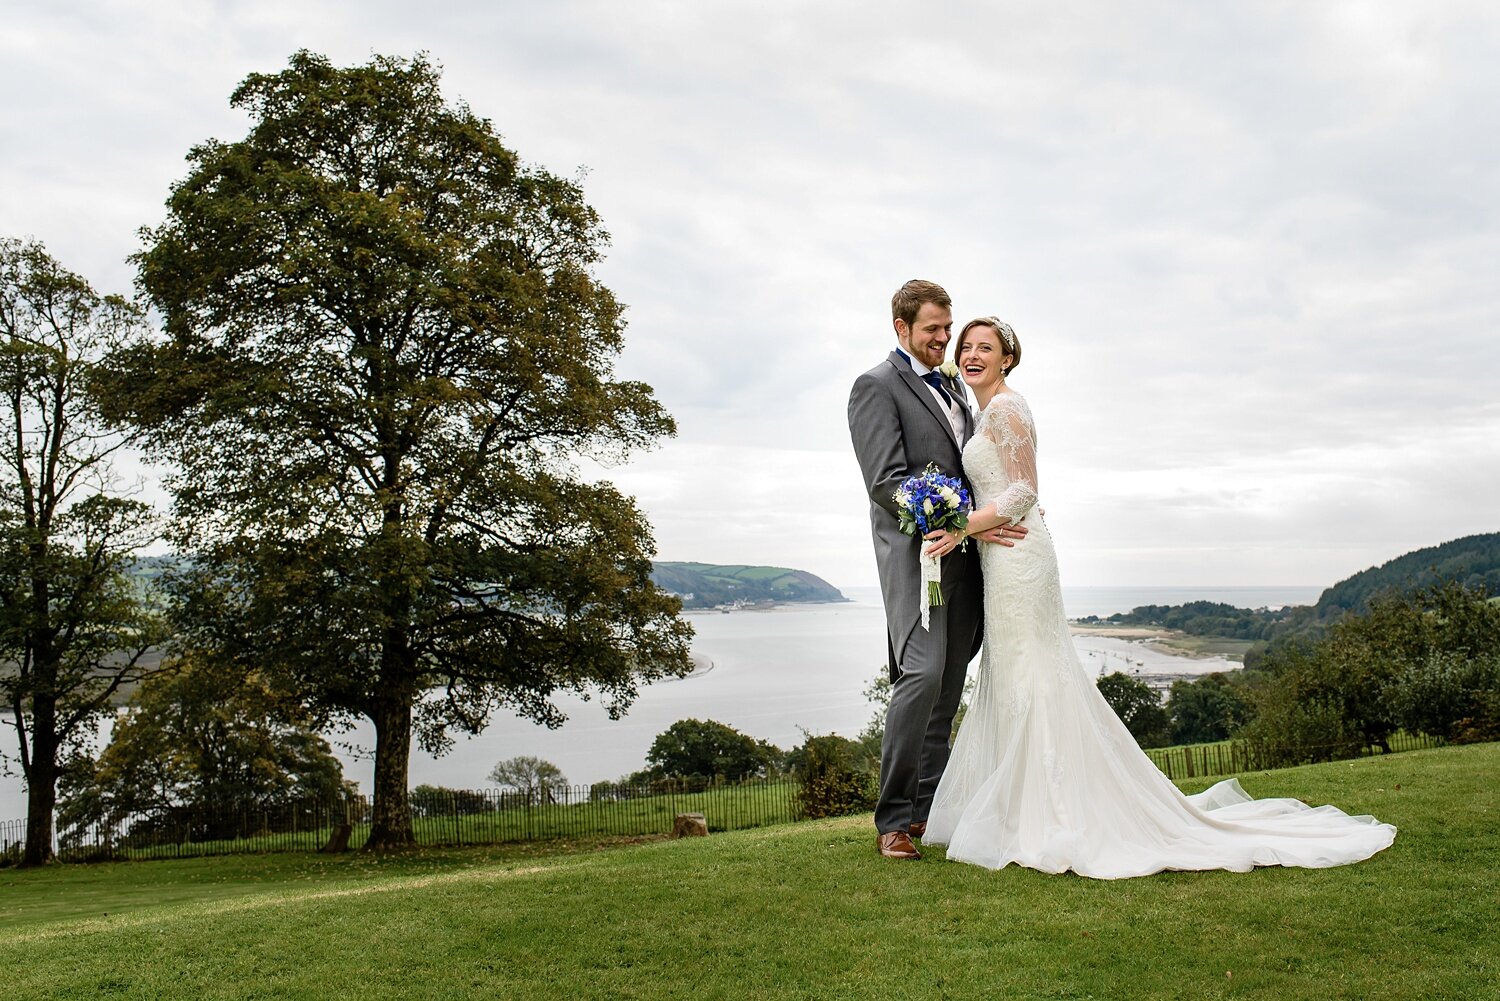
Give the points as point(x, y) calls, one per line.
point(897, 844)
point(918, 829)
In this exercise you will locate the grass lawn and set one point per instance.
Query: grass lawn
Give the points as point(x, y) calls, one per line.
point(800, 911)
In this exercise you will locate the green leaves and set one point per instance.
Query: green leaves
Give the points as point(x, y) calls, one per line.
point(73, 629)
point(385, 353)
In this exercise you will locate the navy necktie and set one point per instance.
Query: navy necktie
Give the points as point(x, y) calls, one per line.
point(935, 380)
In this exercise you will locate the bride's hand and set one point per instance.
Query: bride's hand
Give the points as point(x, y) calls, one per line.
point(1002, 535)
point(942, 542)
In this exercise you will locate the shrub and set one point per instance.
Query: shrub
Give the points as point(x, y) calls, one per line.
point(1375, 672)
point(1206, 709)
point(440, 801)
point(1294, 726)
point(834, 777)
point(608, 792)
point(1450, 695)
point(1138, 707)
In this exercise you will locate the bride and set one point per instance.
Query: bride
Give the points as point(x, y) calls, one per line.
point(1043, 772)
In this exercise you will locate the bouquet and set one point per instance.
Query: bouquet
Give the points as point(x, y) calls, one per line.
point(928, 503)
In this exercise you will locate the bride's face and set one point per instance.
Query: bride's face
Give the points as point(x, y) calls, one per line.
point(980, 357)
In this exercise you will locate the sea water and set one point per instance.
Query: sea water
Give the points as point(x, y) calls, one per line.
point(773, 673)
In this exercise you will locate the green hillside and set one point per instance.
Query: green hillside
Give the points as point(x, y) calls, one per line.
point(705, 585)
point(700, 585)
point(1473, 561)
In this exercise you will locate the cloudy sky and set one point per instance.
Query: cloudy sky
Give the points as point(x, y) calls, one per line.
point(1251, 253)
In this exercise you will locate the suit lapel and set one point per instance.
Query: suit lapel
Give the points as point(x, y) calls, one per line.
point(968, 412)
point(915, 383)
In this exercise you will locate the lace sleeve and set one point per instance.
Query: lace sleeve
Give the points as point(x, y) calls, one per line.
point(1007, 422)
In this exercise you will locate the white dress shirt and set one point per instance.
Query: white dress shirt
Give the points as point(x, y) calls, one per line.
point(955, 417)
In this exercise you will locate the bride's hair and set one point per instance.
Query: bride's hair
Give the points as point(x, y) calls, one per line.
point(1009, 343)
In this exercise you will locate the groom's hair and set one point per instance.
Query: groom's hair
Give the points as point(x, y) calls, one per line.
point(907, 302)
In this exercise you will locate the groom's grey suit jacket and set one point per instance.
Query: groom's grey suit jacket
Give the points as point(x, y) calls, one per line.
point(898, 427)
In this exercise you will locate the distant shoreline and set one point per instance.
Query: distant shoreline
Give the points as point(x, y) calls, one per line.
point(1171, 642)
point(701, 665)
point(763, 606)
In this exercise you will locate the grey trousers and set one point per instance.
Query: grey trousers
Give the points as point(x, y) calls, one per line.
point(924, 699)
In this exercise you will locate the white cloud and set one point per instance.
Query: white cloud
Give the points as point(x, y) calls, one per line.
point(1249, 251)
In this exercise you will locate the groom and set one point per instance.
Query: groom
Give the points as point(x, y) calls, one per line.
point(903, 414)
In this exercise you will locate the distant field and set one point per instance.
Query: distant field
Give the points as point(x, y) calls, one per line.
point(1170, 640)
point(1202, 646)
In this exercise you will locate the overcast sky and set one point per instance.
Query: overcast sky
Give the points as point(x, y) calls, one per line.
point(1251, 254)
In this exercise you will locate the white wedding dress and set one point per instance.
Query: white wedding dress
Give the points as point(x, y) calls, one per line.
point(1044, 774)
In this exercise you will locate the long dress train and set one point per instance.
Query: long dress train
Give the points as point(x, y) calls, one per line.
point(1044, 774)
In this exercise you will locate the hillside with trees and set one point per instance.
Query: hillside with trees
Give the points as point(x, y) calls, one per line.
point(1473, 562)
point(704, 585)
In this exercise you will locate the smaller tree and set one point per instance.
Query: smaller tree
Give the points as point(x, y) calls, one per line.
point(1207, 709)
point(1450, 695)
point(706, 749)
point(878, 694)
point(74, 627)
point(1301, 715)
point(537, 780)
point(1138, 707)
point(207, 744)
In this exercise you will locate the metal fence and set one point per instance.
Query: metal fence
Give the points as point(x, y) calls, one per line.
point(12, 838)
point(1233, 757)
point(443, 816)
point(439, 817)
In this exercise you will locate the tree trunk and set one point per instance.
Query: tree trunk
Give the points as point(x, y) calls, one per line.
point(41, 783)
point(390, 821)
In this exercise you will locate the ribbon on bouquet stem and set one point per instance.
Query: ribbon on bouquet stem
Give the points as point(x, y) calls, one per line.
point(931, 591)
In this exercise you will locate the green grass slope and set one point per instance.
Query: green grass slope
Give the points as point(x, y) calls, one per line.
point(808, 911)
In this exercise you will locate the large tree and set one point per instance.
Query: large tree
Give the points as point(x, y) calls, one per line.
point(385, 352)
point(74, 627)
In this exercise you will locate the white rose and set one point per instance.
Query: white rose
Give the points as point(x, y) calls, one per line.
point(927, 505)
point(950, 369)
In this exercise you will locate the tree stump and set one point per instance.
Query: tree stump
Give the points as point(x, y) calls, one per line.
point(690, 825)
point(338, 841)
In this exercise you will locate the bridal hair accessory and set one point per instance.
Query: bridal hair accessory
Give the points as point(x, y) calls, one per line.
point(1006, 334)
point(929, 503)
